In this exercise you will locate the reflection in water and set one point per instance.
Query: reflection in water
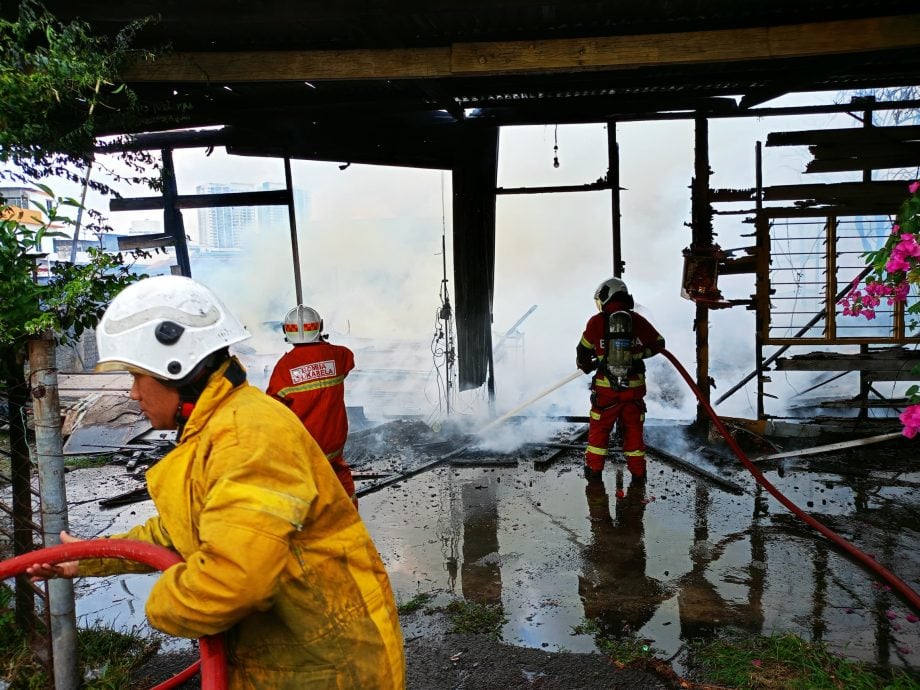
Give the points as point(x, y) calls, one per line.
point(614, 588)
point(481, 567)
point(703, 609)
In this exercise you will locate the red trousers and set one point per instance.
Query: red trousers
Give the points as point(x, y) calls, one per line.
point(631, 416)
point(343, 472)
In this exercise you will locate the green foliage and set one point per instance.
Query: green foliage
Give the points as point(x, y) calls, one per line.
point(414, 604)
point(472, 618)
point(82, 462)
point(895, 273)
point(895, 267)
point(72, 300)
point(59, 91)
point(784, 661)
point(625, 649)
point(111, 656)
point(108, 657)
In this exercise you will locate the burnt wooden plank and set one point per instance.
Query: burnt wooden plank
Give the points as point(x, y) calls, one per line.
point(274, 197)
point(145, 241)
point(726, 195)
point(739, 265)
point(860, 149)
point(884, 192)
point(906, 159)
point(855, 209)
point(844, 136)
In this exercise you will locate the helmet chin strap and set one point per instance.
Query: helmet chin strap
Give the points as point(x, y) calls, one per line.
point(192, 386)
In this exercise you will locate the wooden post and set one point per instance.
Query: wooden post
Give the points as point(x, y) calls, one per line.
point(613, 179)
point(758, 315)
point(172, 216)
point(701, 231)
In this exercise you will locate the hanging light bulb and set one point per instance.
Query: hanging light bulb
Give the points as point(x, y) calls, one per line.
point(556, 147)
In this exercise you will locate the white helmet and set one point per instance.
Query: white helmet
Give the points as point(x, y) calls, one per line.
point(302, 325)
point(607, 290)
point(164, 327)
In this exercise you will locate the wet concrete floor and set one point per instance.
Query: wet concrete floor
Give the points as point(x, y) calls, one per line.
point(674, 558)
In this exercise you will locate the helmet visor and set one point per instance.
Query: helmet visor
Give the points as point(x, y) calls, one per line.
point(116, 365)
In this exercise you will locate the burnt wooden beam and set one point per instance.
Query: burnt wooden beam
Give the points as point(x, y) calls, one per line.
point(890, 193)
point(855, 209)
point(756, 97)
point(847, 136)
point(727, 195)
point(494, 58)
point(275, 197)
point(165, 140)
point(152, 241)
point(905, 160)
point(858, 149)
point(739, 265)
point(589, 187)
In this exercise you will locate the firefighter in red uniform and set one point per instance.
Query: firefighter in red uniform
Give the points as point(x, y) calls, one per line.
point(612, 348)
point(310, 379)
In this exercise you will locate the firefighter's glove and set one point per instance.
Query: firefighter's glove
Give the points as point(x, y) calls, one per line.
point(588, 366)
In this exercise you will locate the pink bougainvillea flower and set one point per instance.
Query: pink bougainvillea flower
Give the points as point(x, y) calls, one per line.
point(896, 263)
point(911, 618)
point(756, 662)
point(890, 615)
point(904, 649)
point(910, 418)
point(914, 186)
point(895, 229)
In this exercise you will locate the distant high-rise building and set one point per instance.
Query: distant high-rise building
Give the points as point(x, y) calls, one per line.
point(224, 228)
point(276, 217)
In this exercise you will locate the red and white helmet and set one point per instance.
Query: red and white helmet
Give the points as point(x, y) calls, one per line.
point(302, 325)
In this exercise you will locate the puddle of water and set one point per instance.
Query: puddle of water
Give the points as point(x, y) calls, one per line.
point(676, 559)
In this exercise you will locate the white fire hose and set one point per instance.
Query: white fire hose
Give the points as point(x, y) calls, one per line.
point(499, 420)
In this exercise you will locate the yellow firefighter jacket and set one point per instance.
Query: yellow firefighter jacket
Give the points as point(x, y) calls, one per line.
point(276, 556)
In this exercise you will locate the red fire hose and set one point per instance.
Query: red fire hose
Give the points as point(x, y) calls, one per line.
point(861, 557)
point(213, 662)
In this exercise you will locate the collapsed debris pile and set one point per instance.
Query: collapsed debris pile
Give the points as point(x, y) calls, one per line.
point(400, 449)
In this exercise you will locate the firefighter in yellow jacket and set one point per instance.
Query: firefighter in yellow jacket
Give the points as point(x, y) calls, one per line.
point(275, 554)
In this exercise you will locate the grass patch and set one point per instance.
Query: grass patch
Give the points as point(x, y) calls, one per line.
point(625, 649)
point(107, 657)
point(471, 618)
point(415, 603)
point(785, 662)
point(82, 462)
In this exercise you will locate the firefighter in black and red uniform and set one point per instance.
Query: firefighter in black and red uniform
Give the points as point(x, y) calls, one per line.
point(612, 348)
point(310, 379)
